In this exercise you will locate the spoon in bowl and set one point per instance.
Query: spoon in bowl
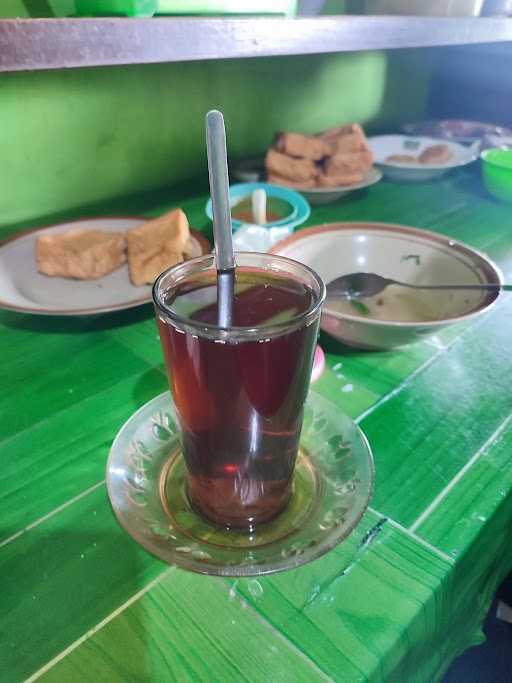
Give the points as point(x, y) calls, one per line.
point(360, 285)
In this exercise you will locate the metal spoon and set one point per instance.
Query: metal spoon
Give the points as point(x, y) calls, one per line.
point(222, 232)
point(358, 285)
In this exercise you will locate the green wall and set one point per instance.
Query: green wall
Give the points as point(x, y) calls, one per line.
point(71, 138)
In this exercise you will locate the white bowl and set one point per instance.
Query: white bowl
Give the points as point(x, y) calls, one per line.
point(403, 253)
point(384, 146)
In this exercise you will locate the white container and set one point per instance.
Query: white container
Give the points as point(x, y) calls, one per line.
point(430, 8)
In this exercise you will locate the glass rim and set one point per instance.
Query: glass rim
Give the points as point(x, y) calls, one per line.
point(251, 331)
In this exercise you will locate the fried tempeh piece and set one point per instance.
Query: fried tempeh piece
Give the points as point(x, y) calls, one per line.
point(336, 132)
point(156, 245)
point(402, 159)
point(304, 146)
point(354, 142)
point(345, 139)
point(435, 154)
point(352, 162)
point(81, 254)
point(284, 166)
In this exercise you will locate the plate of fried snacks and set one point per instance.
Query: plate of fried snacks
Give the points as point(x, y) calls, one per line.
point(325, 166)
point(93, 265)
point(416, 159)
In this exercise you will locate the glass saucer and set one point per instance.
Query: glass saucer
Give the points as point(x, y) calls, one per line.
point(332, 485)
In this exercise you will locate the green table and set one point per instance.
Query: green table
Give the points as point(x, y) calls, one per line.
point(396, 602)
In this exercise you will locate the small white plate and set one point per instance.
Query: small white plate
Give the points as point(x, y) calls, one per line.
point(324, 195)
point(384, 146)
point(24, 289)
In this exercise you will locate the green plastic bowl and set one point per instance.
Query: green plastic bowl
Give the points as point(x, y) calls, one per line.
point(497, 173)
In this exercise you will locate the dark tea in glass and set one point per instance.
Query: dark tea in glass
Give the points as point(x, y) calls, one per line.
point(239, 392)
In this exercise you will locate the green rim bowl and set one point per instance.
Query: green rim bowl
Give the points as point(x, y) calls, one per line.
point(497, 173)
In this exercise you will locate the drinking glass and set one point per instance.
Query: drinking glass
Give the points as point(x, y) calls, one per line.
point(239, 392)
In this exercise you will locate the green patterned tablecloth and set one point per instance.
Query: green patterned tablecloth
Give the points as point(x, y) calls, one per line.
point(396, 602)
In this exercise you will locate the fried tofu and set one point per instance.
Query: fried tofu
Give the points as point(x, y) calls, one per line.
point(81, 254)
point(303, 146)
point(298, 170)
point(435, 154)
point(402, 159)
point(348, 163)
point(353, 142)
point(350, 138)
point(346, 129)
point(337, 157)
point(157, 245)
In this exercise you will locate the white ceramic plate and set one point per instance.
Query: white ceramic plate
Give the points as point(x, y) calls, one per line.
point(324, 195)
point(23, 288)
point(317, 195)
point(383, 146)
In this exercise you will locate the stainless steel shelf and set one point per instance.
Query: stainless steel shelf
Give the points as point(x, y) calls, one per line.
point(31, 44)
